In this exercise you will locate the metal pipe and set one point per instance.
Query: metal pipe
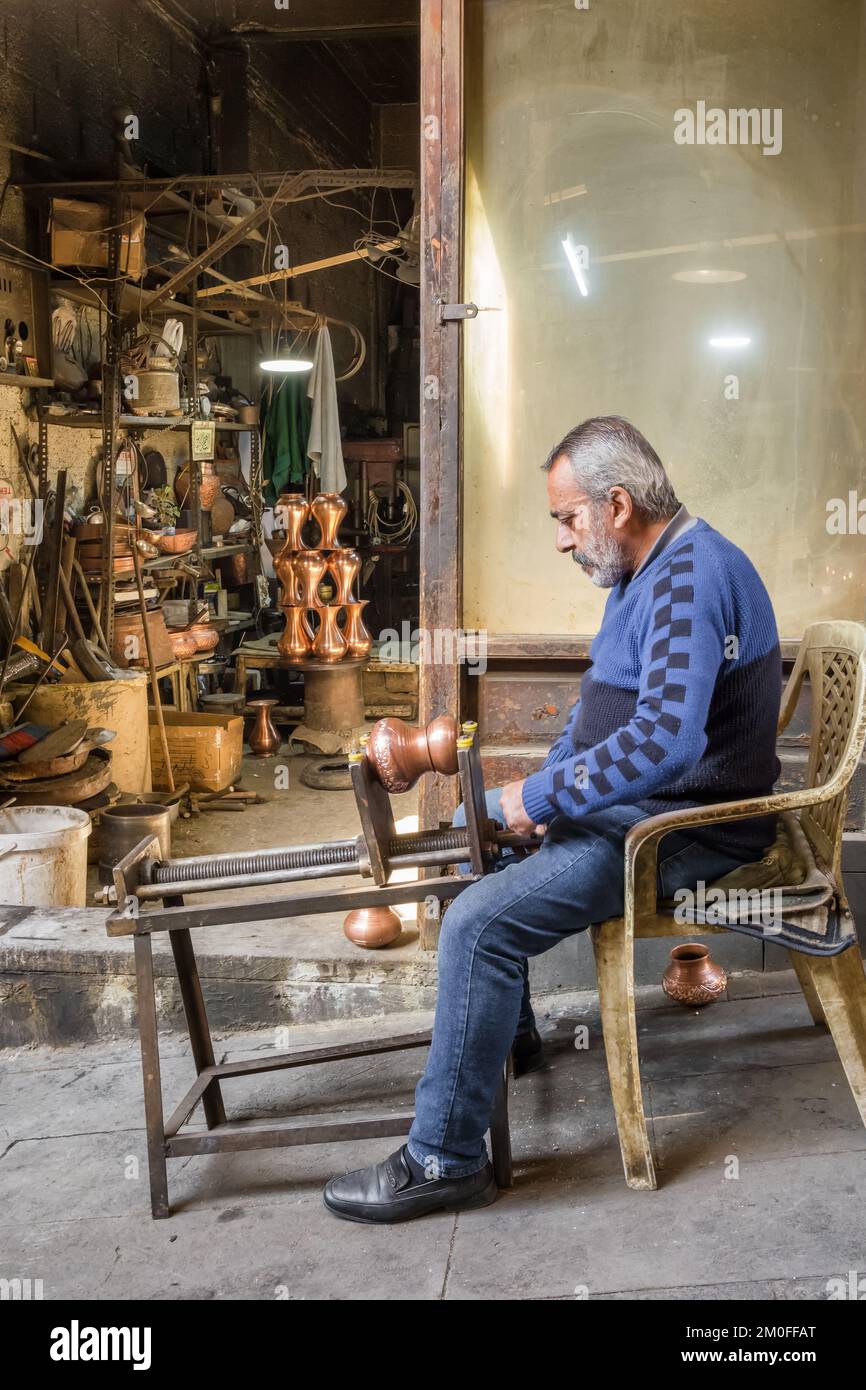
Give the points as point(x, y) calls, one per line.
point(431, 856)
point(148, 892)
point(335, 853)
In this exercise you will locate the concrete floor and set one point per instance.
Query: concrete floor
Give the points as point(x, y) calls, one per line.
point(747, 1087)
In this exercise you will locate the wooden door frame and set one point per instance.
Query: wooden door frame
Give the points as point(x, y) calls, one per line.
point(441, 529)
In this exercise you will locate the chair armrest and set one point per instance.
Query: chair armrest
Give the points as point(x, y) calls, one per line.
point(642, 841)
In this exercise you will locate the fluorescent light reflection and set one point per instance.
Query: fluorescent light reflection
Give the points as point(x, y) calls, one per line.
point(577, 268)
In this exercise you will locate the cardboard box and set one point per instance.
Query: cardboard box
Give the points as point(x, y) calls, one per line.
point(78, 237)
point(206, 750)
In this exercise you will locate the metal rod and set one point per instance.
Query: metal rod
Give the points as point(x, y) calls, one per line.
point(384, 177)
point(150, 891)
point(343, 852)
point(33, 689)
point(94, 616)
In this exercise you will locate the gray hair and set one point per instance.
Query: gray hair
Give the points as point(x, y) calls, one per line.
point(607, 452)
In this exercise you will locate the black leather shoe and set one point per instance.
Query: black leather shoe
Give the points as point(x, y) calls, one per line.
point(527, 1053)
point(387, 1192)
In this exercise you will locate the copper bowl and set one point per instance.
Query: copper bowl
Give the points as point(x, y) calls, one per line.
point(178, 544)
point(183, 644)
point(206, 637)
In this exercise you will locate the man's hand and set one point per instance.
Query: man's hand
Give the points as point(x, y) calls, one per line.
point(514, 811)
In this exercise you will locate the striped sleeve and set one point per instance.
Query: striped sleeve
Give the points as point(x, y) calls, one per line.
point(682, 649)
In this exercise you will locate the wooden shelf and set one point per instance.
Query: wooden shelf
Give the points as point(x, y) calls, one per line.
point(215, 552)
point(83, 420)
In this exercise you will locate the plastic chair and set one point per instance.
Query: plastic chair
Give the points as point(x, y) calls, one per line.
point(833, 655)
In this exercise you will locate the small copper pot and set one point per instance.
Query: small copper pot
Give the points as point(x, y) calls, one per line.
point(329, 644)
point(358, 639)
point(292, 508)
point(344, 565)
point(399, 753)
point(372, 926)
point(692, 978)
point(264, 738)
point(308, 569)
point(296, 641)
point(329, 508)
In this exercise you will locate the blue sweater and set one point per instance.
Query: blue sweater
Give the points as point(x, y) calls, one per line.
point(681, 703)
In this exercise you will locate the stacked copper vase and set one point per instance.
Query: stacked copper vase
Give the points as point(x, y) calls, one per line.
point(318, 630)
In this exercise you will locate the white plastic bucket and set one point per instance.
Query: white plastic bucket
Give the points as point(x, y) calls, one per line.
point(43, 856)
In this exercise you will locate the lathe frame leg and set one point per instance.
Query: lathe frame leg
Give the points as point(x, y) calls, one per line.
point(196, 1019)
point(149, 1041)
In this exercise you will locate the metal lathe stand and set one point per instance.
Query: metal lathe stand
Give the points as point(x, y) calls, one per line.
point(150, 897)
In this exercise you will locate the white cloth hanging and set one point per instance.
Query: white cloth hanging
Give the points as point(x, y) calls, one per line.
point(323, 448)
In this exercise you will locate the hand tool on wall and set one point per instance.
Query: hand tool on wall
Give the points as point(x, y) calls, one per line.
point(17, 615)
point(55, 548)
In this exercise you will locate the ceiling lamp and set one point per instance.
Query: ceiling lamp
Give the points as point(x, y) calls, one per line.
point(286, 365)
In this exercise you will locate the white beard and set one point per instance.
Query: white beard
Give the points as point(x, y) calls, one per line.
point(607, 559)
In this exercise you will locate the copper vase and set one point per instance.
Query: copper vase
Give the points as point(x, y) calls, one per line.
point(358, 639)
point(264, 739)
point(284, 569)
point(344, 565)
point(692, 978)
point(329, 509)
point(308, 568)
point(296, 641)
point(329, 644)
point(293, 509)
point(399, 753)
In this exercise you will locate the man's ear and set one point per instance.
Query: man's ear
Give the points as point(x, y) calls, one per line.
point(623, 506)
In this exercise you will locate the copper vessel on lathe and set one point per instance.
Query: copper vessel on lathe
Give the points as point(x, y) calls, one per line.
point(399, 753)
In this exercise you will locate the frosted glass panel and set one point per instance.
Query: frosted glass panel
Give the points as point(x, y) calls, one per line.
point(711, 292)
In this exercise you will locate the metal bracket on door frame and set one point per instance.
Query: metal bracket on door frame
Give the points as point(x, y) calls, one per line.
point(451, 312)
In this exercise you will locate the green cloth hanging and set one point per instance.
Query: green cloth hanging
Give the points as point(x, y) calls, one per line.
point(285, 433)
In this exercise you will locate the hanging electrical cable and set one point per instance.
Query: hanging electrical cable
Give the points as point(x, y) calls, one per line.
point(382, 530)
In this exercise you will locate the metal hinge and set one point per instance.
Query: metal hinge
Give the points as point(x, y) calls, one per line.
point(449, 312)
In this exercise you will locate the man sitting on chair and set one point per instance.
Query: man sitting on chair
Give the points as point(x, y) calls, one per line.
point(678, 709)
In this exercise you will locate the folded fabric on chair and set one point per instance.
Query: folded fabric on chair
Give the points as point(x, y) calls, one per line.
point(787, 898)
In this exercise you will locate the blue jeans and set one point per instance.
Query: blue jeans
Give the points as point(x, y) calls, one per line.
point(488, 934)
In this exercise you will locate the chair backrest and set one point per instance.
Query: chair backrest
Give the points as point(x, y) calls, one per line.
point(833, 656)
